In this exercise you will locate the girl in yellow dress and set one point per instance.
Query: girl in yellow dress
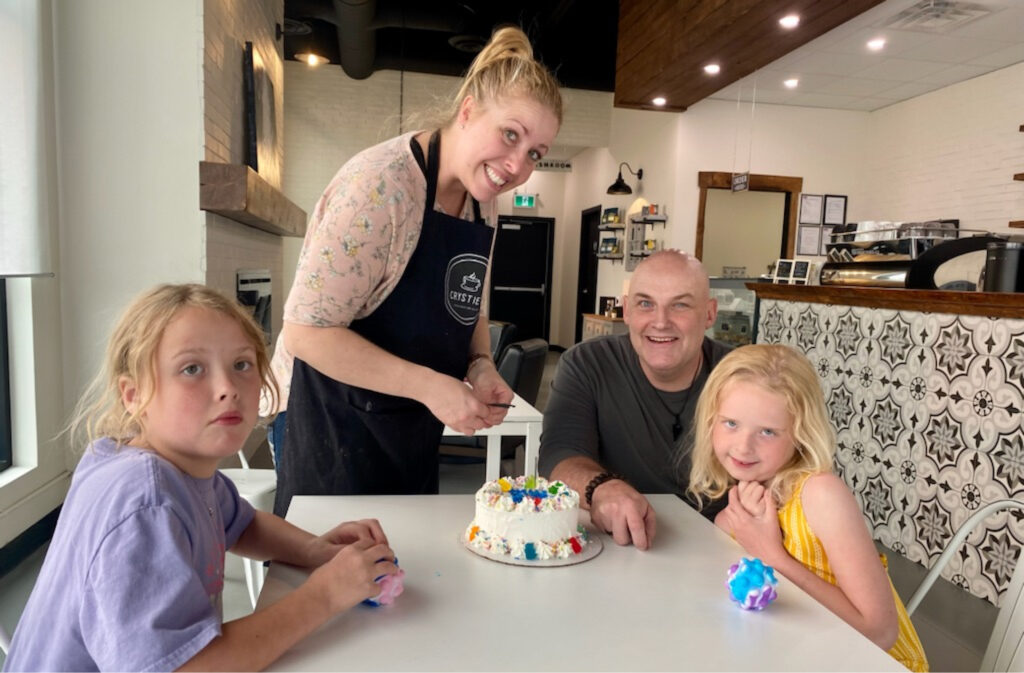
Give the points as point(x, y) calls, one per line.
point(762, 434)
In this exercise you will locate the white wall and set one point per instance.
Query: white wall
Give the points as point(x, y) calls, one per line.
point(128, 138)
point(129, 124)
point(824, 147)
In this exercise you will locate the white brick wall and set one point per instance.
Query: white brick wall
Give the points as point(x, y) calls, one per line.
point(227, 25)
point(950, 153)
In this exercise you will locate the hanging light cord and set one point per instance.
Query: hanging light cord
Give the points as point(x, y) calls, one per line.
point(750, 146)
point(736, 134)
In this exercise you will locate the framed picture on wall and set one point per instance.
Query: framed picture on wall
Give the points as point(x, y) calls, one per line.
point(249, 105)
point(835, 209)
point(810, 209)
point(808, 240)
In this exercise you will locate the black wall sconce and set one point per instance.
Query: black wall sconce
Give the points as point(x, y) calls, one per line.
point(620, 186)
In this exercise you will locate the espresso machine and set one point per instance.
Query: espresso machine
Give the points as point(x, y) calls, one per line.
point(931, 255)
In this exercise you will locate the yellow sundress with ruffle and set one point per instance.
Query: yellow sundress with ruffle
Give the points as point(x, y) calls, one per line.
point(803, 545)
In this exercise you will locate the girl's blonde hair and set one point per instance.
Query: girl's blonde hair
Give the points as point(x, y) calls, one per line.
point(131, 353)
point(506, 67)
point(783, 371)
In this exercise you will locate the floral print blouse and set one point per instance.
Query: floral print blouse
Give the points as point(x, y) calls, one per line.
point(360, 237)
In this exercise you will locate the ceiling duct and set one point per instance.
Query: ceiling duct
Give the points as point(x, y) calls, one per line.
point(357, 41)
point(358, 21)
point(937, 16)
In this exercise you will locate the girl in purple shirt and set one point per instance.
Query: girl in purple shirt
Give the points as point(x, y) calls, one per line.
point(133, 576)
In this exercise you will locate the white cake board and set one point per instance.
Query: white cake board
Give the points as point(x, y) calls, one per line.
point(590, 550)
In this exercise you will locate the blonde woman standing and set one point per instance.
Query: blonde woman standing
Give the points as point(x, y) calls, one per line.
point(383, 324)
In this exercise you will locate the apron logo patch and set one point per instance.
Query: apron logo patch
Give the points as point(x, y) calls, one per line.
point(463, 287)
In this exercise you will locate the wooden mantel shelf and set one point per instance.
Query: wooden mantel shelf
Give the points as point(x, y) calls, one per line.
point(989, 304)
point(239, 193)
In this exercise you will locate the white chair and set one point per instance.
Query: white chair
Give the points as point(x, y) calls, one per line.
point(258, 487)
point(1005, 651)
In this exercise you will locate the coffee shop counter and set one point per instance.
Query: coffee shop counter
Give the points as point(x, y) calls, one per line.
point(595, 324)
point(925, 390)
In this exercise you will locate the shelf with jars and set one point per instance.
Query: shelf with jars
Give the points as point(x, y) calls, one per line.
point(638, 243)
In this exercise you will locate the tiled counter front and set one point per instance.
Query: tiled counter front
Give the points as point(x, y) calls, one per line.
point(928, 412)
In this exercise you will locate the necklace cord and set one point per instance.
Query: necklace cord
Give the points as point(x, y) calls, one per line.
point(677, 426)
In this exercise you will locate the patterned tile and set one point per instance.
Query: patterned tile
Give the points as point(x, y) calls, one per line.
point(927, 409)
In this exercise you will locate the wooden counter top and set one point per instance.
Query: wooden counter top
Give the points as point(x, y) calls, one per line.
point(992, 304)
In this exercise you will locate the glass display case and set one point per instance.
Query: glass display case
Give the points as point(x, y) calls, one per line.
point(736, 323)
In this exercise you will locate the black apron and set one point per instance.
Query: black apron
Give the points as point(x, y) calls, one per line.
point(345, 440)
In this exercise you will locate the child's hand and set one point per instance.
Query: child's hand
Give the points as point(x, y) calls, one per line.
point(350, 531)
point(759, 535)
point(350, 576)
point(323, 548)
point(751, 496)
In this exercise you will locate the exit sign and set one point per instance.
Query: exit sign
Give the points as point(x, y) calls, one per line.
point(740, 181)
point(524, 201)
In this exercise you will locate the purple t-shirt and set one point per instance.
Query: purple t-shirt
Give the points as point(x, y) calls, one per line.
point(133, 577)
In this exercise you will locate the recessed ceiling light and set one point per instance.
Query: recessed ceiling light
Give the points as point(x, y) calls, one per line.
point(712, 68)
point(876, 44)
point(659, 101)
point(789, 21)
point(791, 83)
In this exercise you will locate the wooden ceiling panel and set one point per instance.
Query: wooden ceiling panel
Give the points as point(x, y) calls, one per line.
point(663, 45)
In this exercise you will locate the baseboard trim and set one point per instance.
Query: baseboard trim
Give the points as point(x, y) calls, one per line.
point(21, 547)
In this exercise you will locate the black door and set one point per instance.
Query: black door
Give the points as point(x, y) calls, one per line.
point(521, 274)
point(586, 283)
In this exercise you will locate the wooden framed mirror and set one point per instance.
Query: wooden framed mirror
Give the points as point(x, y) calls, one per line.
point(783, 239)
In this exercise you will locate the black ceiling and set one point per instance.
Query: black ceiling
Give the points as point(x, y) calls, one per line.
point(576, 39)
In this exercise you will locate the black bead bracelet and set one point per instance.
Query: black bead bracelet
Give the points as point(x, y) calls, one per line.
point(597, 481)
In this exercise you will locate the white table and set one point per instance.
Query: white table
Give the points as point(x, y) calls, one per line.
point(522, 420)
point(626, 610)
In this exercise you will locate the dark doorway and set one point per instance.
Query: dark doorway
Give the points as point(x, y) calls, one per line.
point(521, 274)
point(586, 283)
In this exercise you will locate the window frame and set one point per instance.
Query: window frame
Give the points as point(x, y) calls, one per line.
point(6, 448)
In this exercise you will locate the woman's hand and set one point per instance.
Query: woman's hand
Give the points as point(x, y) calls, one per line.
point(759, 535)
point(455, 404)
point(488, 387)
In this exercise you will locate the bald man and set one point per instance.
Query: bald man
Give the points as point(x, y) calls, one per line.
point(618, 419)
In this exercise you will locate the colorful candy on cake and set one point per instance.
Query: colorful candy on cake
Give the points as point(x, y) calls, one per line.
point(752, 584)
point(527, 519)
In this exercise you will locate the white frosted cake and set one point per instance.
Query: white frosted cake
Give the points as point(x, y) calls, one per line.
point(527, 518)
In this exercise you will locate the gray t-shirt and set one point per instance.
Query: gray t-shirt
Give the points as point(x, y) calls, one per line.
point(603, 407)
point(133, 577)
